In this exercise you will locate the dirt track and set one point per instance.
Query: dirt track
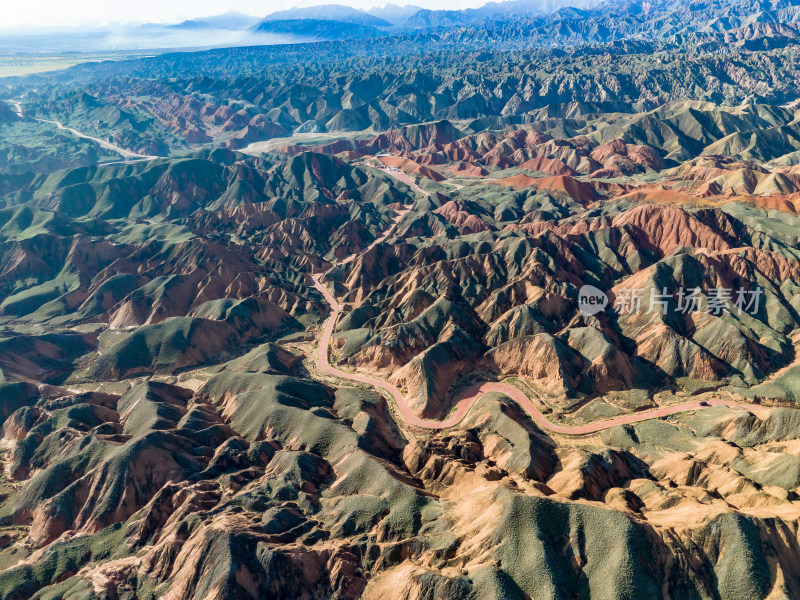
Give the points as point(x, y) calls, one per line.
point(128, 155)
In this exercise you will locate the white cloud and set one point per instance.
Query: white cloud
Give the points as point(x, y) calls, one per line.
point(46, 14)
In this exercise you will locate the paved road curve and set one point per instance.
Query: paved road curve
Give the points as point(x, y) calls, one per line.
point(470, 396)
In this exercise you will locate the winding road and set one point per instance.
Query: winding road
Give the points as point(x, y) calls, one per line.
point(470, 396)
point(467, 399)
point(128, 155)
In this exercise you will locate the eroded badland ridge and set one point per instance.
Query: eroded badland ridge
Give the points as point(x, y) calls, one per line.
point(325, 336)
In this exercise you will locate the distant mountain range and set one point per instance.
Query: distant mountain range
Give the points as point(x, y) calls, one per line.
point(516, 23)
point(317, 29)
point(229, 20)
point(329, 12)
point(291, 25)
point(415, 17)
point(396, 15)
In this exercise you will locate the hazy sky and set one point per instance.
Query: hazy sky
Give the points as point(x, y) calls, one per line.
point(50, 13)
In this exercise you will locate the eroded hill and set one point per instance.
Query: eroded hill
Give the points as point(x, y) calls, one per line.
point(167, 431)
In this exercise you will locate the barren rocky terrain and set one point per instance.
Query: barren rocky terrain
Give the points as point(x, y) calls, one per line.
point(325, 337)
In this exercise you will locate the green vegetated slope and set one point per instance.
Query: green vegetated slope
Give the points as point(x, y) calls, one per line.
point(300, 482)
point(163, 265)
point(28, 145)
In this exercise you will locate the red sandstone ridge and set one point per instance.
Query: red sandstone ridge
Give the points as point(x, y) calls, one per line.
point(789, 204)
point(580, 191)
point(441, 144)
point(668, 227)
point(620, 159)
point(576, 228)
point(454, 212)
point(659, 195)
point(553, 166)
point(469, 168)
